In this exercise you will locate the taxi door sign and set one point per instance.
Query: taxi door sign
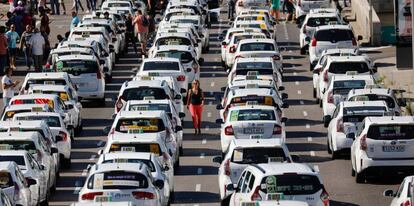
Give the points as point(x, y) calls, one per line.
point(98, 181)
point(271, 184)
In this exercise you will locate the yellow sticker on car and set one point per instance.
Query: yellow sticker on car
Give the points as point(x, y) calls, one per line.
point(268, 101)
point(259, 18)
point(263, 26)
point(154, 148)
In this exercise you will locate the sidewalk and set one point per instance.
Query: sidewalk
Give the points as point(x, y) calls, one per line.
point(394, 78)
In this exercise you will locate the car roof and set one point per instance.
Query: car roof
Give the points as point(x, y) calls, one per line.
point(133, 167)
point(66, 49)
point(249, 143)
point(152, 101)
point(255, 91)
point(76, 57)
point(139, 114)
point(24, 114)
point(34, 96)
point(144, 83)
point(384, 120)
point(281, 168)
point(193, 17)
point(336, 26)
point(117, 155)
point(8, 165)
point(49, 87)
point(259, 82)
point(136, 138)
point(348, 58)
point(255, 59)
point(161, 59)
point(379, 91)
point(22, 124)
point(18, 135)
point(25, 106)
point(46, 75)
point(352, 77)
point(246, 107)
point(363, 103)
point(13, 152)
point(336, 50)
point(174, 48)
point(89, 29)
point(276, 202)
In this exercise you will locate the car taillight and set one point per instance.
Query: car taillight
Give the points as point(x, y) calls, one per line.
point(363, 143)
point(354, 42)
point(304, 30)
point(181, 78)
point(119, 104)
point(143, 195)
point(241, 3)
point(325, 197)
point(340, 125)
point(47, 66)
point(99, 74)
point(318, 69)
point(325, 76)
point(63, 135)
point(406, 203)
point(238, 56)
point(256, 196)
point(330, 97)
point(91, 195)
point(277, 129)
point(314, 42)
point(227, 168)
point(276, 57)
point(232, 49)
point(229, 130)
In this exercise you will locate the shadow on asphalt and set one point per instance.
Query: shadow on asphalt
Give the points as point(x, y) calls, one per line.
point(195, 197)
point(305, 147)
point(193, 170)
point(304, 134)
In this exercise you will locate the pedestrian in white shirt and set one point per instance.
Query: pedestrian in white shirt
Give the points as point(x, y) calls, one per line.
point(8, 86)
point(37, 46)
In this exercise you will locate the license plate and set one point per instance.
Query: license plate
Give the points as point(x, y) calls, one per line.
point(253, 131)
point(103, 198)
point(393, 148)
point(256, 136)
point(49, 82)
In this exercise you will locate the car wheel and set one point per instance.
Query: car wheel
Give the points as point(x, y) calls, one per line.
point(314, 93)
point(225, 202)
point(329, 146)
point(352, 172)
point(320, 103)
point(359, 178)
point(335, 154)
point(181, 151)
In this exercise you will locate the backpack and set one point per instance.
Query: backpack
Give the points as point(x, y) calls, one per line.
point(144, 21)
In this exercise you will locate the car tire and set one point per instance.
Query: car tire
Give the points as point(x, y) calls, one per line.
point(79, 129)
point(352, 172)
point(225, 202)
point(335, 155)
point(181, 150)
point(329, 146)
point(314, 93)
point(359, 178)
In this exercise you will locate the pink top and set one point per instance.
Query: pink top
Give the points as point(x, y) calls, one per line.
point(3, 44)
point(138, 22)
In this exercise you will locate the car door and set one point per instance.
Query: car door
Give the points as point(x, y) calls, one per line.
point(244, 189)
point(41, 176)
point(48, 161)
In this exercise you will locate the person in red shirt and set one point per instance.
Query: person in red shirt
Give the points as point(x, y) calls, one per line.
point(142, 23)
point(3, 49)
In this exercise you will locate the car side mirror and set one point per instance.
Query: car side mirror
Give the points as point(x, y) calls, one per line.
point(31, 181)
point(219, 107)
point(285, 105)
point(178, 128)
point(58, 138)
point(182, 90)
point(54, 150)
point(159, 184)
point(295, 158)
point(189, 70)
point(350, 136)
point(388, 193)
point(69, 106)
point(230, 187)
point(106, 130)
point(284, 96)
point(217, 159)
point(219, 121)
point(178, 96)
point(223, 43)
point(281, 88)
point(181, 114)
point(326, 120)
point(223, 89)
point(101, 61)
point(360, 37)
point(284, 119)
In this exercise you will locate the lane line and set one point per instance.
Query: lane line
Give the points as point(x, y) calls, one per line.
point(92, 157)
point(200, 171)
point(202, 155)
point(307, 126)
point(204, 141)
point(312, 153)
point(316, 168)
point(302, 102)
point(198, 187)
point(299, 92)
point(305, 113)
point(309, 139)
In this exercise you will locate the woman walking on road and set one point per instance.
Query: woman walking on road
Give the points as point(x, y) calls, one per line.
point(276, 9)
point(195, 102)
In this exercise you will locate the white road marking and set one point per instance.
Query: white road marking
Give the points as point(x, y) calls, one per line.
point(204, 141)
point(207, 128)
point(299, 92)
point(302, 102)
point(295, 73)
point(373, 48)
point(214, 67)
point(108, 100)
point(316, 168)
point(84, 172)
point(312, 153)
point(307, 126)
point(200, 171)
point(92, 157)
point(305, 113)
point(285, 30)
point(212, 84)
point(210, 103)
point(198, 187)
point(213, 75)
point(202, 155)
point(297, 83)
point(208, 114)
point(309, 139)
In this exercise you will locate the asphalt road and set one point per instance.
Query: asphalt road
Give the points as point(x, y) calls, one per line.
point(196, 181)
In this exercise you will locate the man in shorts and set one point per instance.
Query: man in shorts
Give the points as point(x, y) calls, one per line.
point(142, 29)
point(12, 37)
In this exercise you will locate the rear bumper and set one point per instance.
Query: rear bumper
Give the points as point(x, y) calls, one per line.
point(92, 94)
point(386, 166)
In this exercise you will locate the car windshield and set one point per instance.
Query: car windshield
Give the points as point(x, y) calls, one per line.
point(236, 39)
point(149, 107)
point(161, 66)
point(140, 125)
point(183, 56)
point(374, 97)
point(6, 180)
point(77, 67)
point(252, 114)
point(334, 35)
point(257, 155)
point(149, 163)
point(257, 47)
point(391, 132)
point(44, 82)
point(19, 145)
point(19, 160)
point(117, 180)
point(51, 121)
point(343, 67)
point(136, 147)
point(343, 87)
point(291, 184)
point(141, 92)
point(320, 21)
point(173, 41)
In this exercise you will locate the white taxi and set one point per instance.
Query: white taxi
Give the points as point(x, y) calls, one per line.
point(403, 196)
point(254, 48)
point(11, 110)
point(46, 78)
point(14, 185)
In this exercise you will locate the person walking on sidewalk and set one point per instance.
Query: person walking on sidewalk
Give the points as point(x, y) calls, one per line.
point(276, 10)
point(55, 7)
point(130, 33)
point(195, 102)
point(231, 5)
point(8, 86)
point(24, 45)
point(12, 37)
point(142, 23)
point(3, 49)
point(75, 20)
point(37, 46)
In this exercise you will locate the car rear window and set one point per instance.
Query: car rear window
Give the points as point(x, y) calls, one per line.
point(44, 82)
point(174, 41)
point(136, 147)
point(374, 97)
point(10, 114)
point(334, 35)
point(364, 110)
point(291, 184)
point(320, 21)
point(361, 117)
point(149, 163)
point(141, 92)
point(257, 155)
point(51, 121)
point(140, 125)
point(184, 57)
point(77, 67)
point(391, 132)
point(19, 145)
point(252, 114)
point(257, 47)
point(260, 100)
point(19, 160)
point(117, 180)
point(162, 66)
point(343, 67)
point(150, 107)
point(6, 180)
point(343, 87)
